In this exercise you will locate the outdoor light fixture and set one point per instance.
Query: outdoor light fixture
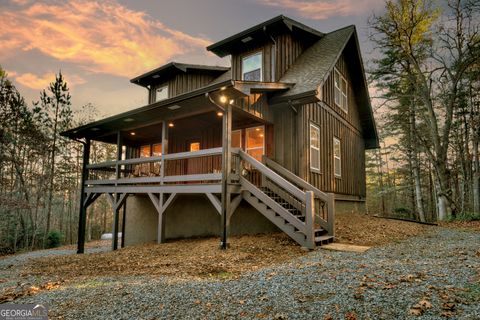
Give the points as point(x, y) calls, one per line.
point(171, 124)
point(231, 101)
point(132, 133)
point(128, 120)
point(155, 76)
point(245, 40)
point(220, 114)
point(223, 99)
point(174, 107)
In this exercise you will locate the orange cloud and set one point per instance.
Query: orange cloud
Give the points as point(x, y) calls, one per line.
point(100, 36)
point(324, 9)
point(34, 81)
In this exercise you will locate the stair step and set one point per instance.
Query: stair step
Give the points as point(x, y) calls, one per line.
point(320, 232)
point(323, 240)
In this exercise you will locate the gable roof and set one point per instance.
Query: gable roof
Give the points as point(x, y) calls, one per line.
point(174, 67)
point(261, 32)
point(314, 65)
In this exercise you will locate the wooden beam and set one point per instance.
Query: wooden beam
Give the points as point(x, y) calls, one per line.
point(82, 221)
point(164, 149)
point(216, 203)
point(234, 205)
point(174, 188)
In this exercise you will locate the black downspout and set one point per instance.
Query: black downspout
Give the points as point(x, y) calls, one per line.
point(82, 221)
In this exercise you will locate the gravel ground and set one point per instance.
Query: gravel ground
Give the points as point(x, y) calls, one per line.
point(436, 274)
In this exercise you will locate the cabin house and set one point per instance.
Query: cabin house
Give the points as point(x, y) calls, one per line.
point(275, 142)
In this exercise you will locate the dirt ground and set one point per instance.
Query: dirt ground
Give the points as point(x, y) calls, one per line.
point(202, 257)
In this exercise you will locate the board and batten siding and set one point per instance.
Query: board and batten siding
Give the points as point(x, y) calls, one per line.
point(286, 50)
point(182, 83)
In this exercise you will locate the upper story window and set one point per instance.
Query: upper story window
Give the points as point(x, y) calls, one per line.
point(314, 147)
point(341, 91)
point(252, 67)
point(161, 93)
point(337, 157)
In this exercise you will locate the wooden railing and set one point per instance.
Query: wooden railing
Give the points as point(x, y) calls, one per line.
point(324, 202)
point(202, 166)
point(302, 200)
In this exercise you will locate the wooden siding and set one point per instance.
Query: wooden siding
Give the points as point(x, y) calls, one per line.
point(328, 95)
point(352, 181)
point(285, 138)
point(182, 83)
point(286, 50)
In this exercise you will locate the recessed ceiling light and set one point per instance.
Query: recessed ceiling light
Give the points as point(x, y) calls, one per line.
point(128, 120)
point(171, 124)
point(155, 76)
point(223, 99)
point(95, 129)
point(132, 133)
point(174, 107)
point(246, 39)
point(220, 114)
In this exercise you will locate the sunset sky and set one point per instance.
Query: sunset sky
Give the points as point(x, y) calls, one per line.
point(100, 45)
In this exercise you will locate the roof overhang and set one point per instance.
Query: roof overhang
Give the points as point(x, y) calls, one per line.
point(186, 105)
point(250, 87)
point(169, 69)
point(262, 32)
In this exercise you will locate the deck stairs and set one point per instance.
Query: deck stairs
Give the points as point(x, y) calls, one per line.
point(300, 210)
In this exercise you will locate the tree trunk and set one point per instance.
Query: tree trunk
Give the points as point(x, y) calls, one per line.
point(476, 177)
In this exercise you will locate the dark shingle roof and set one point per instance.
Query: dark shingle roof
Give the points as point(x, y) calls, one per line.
point(311, 67)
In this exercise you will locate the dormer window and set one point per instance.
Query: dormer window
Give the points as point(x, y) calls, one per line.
point(161, 93)
point(252, 67)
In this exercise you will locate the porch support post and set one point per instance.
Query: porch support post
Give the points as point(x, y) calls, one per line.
point(124, 220)
point(164, 149)
point(117, 195)
point(226, 169)
point(82, 221)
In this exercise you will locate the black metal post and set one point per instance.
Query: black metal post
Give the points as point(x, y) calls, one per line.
point(82, 221)
point(117, 196)
point(226, 169)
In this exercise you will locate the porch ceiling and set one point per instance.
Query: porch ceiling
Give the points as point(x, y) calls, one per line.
point(183, 106)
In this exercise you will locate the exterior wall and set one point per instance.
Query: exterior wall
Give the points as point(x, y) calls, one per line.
point(188, 216)
point(285, 50)
point(182, 83)
point(256, 105)
point(286, 138)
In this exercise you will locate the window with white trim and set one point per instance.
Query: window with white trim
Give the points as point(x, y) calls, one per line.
point(337, 157)
point(255, 142)
point(341, 91)
point(314, 147)
point(161, 93)
point(252, 67)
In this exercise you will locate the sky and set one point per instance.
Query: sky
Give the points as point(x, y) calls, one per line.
point(100, 45)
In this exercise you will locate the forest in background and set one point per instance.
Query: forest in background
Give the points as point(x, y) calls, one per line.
point(426, 71)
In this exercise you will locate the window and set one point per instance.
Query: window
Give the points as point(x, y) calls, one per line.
point(145, 151)
point(341, 89)
point(252, 67)
point(157, 150)
point(337, 158)
point(194, 146)
point(237, 139)
point(314, 147)
point(255, 142)
point(161, 93)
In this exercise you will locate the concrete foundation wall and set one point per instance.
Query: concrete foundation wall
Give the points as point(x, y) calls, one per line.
point(346, 206)
point(189, 216)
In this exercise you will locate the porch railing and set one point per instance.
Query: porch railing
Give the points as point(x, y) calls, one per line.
point(202, 166)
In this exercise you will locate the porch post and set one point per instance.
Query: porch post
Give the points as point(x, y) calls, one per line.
point(82, 221)
point(124, 220)
point(116, 207)
point(164, 148)
point(226, 169)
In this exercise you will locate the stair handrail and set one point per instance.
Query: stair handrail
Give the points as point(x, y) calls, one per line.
point(327, 198)
point(293, 178)
point(275, 177)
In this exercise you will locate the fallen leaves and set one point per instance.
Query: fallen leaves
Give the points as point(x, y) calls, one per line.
point(26, 289)
point(420, 307)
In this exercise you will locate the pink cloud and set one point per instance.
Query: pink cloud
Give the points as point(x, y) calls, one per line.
point(99, 36)
point(39, 82)
point(324, 9)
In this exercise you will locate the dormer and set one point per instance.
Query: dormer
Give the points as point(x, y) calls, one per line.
point(176, 78)
point(266, 51)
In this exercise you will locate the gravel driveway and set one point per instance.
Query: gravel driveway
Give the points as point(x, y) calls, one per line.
point(433, 276)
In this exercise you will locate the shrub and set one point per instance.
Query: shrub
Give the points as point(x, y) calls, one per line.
point(402, 212)
point(465, 216)
point(54, 239)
